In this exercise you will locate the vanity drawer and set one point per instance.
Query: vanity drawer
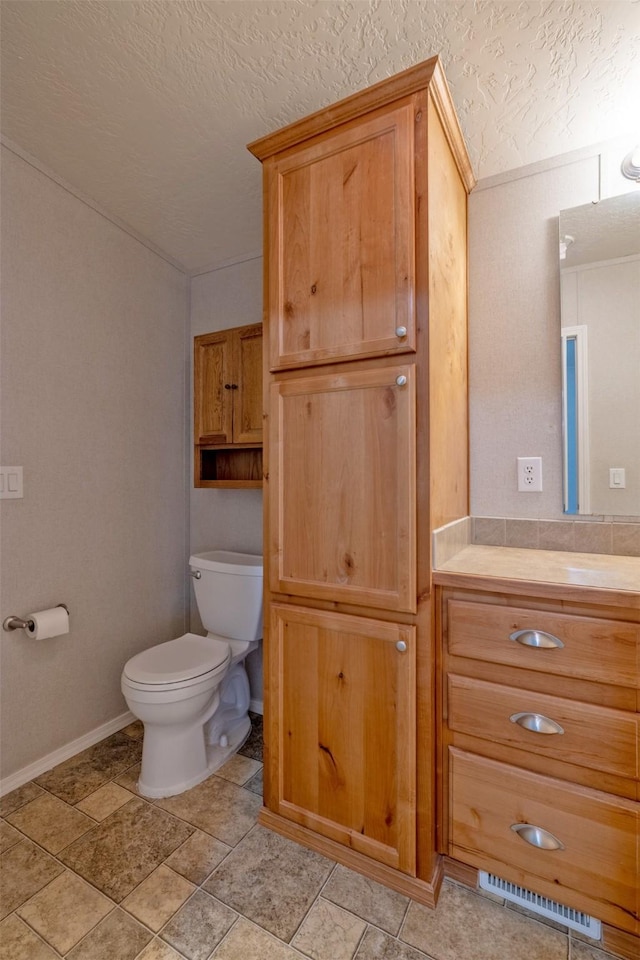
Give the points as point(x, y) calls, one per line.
point(576, 845)
point(568, 730)
point(583, 647)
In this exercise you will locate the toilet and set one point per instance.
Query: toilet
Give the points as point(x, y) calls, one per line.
point(192, 693)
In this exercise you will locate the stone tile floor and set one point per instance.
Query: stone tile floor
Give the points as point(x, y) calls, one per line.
point(91, 871)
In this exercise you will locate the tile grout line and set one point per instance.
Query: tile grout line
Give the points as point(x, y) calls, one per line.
point(69, 870)
point(155, 936)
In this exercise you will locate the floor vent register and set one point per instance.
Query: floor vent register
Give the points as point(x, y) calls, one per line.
point(542, 905)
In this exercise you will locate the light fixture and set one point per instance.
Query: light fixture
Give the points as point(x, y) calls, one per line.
point(630, 166)
point(565, 243)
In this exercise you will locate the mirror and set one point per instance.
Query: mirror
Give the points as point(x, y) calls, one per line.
point(600, 310)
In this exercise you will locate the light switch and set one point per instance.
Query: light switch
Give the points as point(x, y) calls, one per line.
point(11, 483)
point(617, 479)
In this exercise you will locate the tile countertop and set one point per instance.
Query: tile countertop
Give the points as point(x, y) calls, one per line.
point(480, 565)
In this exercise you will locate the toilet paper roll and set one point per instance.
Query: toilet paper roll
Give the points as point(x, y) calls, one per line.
point(48, 623)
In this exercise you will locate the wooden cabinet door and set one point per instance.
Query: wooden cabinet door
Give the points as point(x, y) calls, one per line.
point(342, 729)
point(247, 399)
point(227, 383)
point(342, 505)
point(342, 243)
point(213, 365)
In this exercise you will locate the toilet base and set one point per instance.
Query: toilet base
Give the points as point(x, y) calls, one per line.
point(214, 757)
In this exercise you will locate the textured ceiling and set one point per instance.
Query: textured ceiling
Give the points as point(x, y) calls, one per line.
point(145, 106)
point(601, 231)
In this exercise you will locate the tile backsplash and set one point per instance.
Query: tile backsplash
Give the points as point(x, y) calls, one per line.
point(620, 537)
point(616, 537)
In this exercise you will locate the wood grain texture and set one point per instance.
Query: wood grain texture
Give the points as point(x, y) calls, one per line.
point(348, 473)
point(428, 74)
point(594, 649)
point(237, 467)
point(518, 585)
point(213, 367)
point(591, 736)
point(247, 399)
point(227, 406)
point(419, 890)
point(582, 785)
point(448, 361)
point(342, 218)
point(339, 674)
point(597, 868)
point(343, 519)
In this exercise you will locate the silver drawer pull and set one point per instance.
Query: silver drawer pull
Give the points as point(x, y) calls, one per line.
point(401, 646)
point(536, 722)
point(536, 638)
point(401, 331)
point(537, 836)
point(401, 380)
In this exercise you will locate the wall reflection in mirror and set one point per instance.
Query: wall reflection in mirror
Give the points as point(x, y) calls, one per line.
point(600, 308)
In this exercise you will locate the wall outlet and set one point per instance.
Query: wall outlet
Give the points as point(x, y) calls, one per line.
point(529, 474)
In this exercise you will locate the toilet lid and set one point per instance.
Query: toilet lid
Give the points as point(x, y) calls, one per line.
point(177, 660)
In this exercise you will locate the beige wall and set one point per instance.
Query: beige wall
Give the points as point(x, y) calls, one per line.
point(514, 329)
point(227, 519)
point(94, 387)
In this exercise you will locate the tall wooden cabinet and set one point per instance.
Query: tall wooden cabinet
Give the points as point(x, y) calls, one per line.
point(365, 453)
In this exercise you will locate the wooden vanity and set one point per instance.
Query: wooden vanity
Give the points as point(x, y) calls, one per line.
point(539, 728)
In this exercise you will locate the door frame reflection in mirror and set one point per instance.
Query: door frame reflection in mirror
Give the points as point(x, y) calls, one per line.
point(575, 420)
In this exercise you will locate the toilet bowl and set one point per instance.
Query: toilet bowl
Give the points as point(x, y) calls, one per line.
point(192, 693)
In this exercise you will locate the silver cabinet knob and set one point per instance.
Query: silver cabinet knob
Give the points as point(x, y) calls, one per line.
point(537, 836)
point(401, 331)
point(401, 380)
point(401, 646)
point(536, 638)
point(536, 722)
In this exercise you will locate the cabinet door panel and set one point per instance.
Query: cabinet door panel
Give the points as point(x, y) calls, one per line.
point(343, 509)
point(247, 411)
point(212, 369)
point(345, 717)
point(342, 221)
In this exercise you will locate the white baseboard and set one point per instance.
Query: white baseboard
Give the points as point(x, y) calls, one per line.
point(256, 706)
point(18, 779)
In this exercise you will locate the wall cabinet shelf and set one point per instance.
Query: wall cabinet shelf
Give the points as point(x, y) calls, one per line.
point(227, 407)
point(235, 467)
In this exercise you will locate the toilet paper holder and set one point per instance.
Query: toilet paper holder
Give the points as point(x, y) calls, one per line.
point(17, 623)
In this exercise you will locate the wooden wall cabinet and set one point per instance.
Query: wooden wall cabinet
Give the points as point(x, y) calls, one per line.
point(540, 746)
point(365, 453)
point(227, 389)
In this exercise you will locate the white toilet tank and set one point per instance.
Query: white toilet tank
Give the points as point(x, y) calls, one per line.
point(229, 593)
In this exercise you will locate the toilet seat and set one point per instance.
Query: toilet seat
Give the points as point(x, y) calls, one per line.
point(183, 662)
